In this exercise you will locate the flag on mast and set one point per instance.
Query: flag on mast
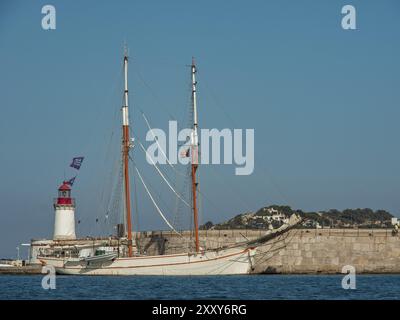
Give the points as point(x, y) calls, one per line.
point(77, 162)
point(185, 153)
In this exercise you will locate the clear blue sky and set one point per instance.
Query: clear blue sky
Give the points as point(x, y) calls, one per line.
point(324, 102)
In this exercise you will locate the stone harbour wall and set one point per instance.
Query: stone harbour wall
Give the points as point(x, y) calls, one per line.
point(297, 251)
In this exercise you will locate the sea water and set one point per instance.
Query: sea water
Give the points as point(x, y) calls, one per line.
point(201, 287)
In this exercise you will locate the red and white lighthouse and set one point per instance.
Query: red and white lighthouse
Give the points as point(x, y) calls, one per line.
point(64, 207)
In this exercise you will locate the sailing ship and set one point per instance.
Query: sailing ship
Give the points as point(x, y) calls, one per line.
point(123, 258)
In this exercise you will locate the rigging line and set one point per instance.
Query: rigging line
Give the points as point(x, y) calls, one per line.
point(179, 195)
point(136, 138)
point(154, 190)
point(276, 185)
point(109, 96)
point(155, 138)
point(101, 190)
point(227, 115)
point(100, 114)
point(231, 186)
point(187, 114)
point(110, 181)
point(244, 201)
point(158, 144)
point(171, 116)
point(216, 101)
point(162, 176)
point(200, 200)
point(274, 250)
point(155, 204)
point(104, 204)
point(136, 214)
point(178, 204)
point(209, 201)
point(114, 205)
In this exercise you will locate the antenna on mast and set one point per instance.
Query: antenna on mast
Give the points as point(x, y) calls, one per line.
point(126, 49)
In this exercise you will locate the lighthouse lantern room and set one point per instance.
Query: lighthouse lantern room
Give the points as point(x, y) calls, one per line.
point(64, 207)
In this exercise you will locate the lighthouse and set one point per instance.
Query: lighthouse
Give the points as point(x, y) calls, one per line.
point(64, 207)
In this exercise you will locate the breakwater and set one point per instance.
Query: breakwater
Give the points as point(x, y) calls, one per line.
point(297, 251)
point(21, 270)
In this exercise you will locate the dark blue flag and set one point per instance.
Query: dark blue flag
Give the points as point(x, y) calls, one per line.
point(70, 181)
point(77, 162)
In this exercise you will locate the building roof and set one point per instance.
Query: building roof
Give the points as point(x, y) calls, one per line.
point(64, 187)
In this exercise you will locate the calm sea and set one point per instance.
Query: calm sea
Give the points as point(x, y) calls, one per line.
point(226, 287)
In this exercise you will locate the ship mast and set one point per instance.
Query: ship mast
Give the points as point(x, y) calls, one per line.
point(126, 145)
point(194, 154)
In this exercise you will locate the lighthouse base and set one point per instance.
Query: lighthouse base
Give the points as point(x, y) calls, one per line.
point(64, 223)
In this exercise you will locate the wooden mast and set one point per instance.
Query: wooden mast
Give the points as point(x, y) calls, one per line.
point(194, 156)
point(126, 145)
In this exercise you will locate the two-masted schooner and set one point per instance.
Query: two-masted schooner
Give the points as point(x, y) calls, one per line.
point(122, 259)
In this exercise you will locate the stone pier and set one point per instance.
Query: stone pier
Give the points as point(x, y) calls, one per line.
point(298, 251)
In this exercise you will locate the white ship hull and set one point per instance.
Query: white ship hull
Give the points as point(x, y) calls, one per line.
point(223, 262)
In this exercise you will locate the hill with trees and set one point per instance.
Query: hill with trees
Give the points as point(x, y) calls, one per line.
point(274, 216)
